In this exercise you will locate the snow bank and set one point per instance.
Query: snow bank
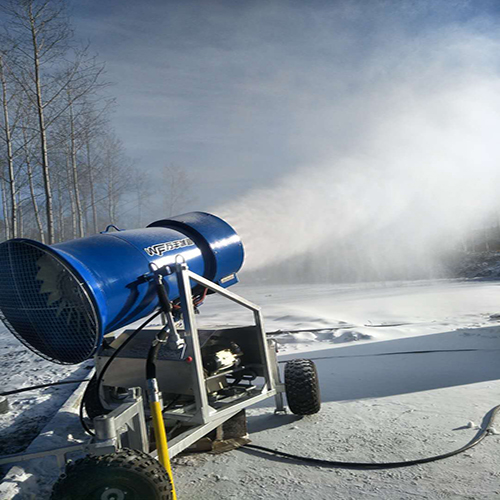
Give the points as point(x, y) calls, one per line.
point(377, 402)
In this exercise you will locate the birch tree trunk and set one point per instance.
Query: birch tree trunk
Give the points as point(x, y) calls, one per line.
point(20, 221)
point(31, 183)
point(10, 159)
point(74, 172)
point(74, 223)
point(5, 208)
point(42, 131)
point(60, 207)
point(91, 185)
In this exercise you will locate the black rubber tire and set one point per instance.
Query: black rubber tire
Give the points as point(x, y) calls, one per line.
point(124, 475)
point(91, 401)
point(302, 387)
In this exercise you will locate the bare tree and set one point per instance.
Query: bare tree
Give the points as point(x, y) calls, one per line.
point(40, 33)
point(31, 182)
point(5, 211)
point(177, 190)
point(91, 180)
point(141, 182)
point(115, 175)
point(6, 126)
point(74, 168)
point(59, 196)
point(62, 169)
point(92, 124)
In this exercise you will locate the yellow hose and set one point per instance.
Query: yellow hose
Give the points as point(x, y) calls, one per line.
point(161, 442)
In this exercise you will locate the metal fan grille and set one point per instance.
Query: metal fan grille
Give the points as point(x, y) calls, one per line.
point(44, 304)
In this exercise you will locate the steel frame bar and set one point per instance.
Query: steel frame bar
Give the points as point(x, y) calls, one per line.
point(129, 417)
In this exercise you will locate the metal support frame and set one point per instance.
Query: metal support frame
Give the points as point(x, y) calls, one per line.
point(280, 386)
point(193, 345)
point(129, 419)
point(204, 412)
point(59, 453)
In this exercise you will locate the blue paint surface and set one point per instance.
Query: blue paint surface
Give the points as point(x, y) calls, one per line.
point(111, 267)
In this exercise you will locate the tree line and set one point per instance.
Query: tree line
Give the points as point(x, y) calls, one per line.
point(63, 171)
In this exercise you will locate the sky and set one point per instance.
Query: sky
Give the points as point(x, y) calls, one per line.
point(241, 93)
point(313, 123)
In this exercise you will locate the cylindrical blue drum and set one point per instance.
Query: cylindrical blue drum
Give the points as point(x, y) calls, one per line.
point(60, 300)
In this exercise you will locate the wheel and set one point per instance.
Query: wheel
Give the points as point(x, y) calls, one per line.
point(302, 387)
point(124, 475)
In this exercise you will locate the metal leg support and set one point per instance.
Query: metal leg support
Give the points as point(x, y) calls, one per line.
point(129, 418)
point(280, 387)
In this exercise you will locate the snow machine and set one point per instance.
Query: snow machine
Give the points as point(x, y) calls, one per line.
point(84, 298)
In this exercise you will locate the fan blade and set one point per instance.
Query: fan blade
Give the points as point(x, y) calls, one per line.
point(53, 297)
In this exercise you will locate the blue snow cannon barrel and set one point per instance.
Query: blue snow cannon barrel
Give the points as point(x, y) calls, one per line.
point(61, 300)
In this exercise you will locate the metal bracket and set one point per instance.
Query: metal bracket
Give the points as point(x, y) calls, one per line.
point(127, 419)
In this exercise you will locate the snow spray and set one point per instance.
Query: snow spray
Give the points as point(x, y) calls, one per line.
point(417, 170)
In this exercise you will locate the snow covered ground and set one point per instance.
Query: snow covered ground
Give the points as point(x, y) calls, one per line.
point(378, 405)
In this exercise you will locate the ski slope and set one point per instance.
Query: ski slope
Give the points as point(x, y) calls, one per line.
point(407, 370)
